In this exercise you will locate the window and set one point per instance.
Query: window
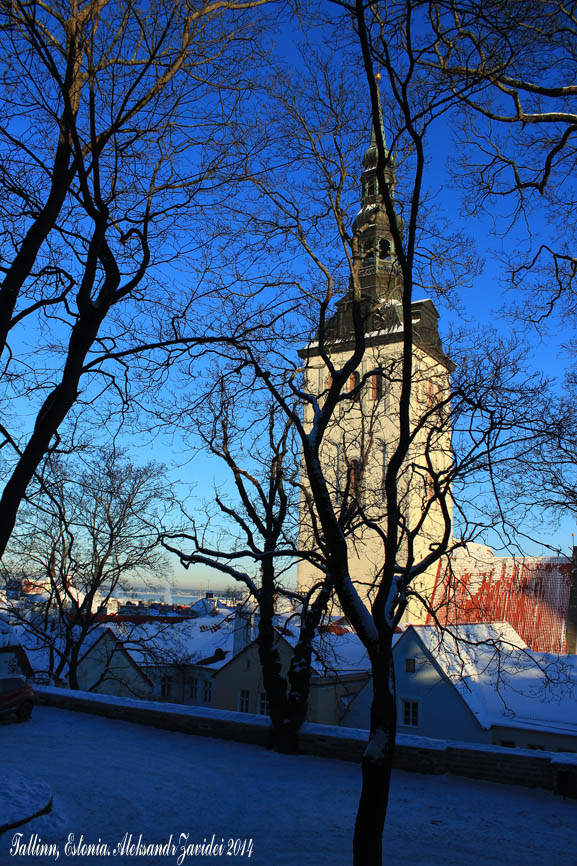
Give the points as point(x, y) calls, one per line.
point(376, 386)
point(508, 744)
point(263, 704)
point(165, 687)
point(194, 689)
point(355, 486)
point(371, 188)
point(384, 248)
point(383, 471)
point(207, 692)
point(354, 382)
point(243, 698)
point(369, 253)
point(411, 713)
point(410, 666)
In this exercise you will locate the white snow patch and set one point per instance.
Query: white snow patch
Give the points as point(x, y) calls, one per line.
point(377, 746)
point(110, 778)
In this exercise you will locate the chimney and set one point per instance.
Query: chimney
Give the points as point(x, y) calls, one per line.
point(242, 631)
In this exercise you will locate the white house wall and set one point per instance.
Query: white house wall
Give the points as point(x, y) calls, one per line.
point(442, 713)
point(107, 670)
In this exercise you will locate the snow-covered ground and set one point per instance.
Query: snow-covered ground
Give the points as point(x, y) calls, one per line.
point(112, 778)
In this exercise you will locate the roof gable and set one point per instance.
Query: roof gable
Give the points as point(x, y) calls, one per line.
point(500, 680)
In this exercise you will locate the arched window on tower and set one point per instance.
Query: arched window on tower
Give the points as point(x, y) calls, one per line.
point(354, 382)
point(384, 249)
point(368, 251)
point(376, 386)
point(355, 482)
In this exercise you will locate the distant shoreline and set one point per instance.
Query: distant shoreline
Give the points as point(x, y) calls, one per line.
point(177, 594)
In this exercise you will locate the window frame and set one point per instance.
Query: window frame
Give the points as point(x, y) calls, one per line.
point(411, 713)
point(207, 692)
point(193, 688)
point(356, 479)
point(354, 383)
point(376, 387)
point(382, 242)
point(263, 704)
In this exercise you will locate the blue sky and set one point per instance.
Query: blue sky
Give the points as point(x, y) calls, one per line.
point(481, 305)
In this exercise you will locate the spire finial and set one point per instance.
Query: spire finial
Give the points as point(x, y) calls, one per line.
point(373, 142)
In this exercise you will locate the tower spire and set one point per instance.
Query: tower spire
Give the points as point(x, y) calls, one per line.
point(378, 273)
point(373, 142)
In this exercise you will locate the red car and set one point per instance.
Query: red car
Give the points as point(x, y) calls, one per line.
point(16, 696)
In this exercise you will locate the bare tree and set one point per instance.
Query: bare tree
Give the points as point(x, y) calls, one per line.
point(385, 437)
point(512, 68)
point(108, 110)
point(91, 529)
point(254, 540)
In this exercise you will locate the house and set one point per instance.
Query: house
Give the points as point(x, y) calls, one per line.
point(480, 683)
point(179, 658)
point(104, 666)
point(213, 661)
point(340, 669)
point(107, 668)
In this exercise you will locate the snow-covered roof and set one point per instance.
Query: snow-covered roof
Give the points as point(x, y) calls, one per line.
point(340, 653)
point(38, 648)
point(501, 681)
point(187, 641)
point(7, 634)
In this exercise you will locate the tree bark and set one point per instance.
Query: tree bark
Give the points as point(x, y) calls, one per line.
point(275, 684)
point(376, 765)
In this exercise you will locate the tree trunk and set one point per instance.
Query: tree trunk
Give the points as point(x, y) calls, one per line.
point(73, 667)
point(299, 674)
point(274, 682)
point(376, 766)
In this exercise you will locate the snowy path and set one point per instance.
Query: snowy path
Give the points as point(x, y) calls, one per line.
point(112, 778)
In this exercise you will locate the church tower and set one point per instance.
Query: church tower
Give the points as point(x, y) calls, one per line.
point(364, 429)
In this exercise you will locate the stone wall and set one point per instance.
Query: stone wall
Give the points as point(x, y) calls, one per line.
point(555, 772)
